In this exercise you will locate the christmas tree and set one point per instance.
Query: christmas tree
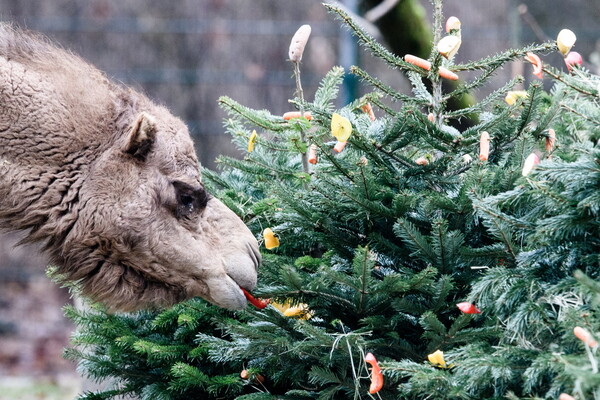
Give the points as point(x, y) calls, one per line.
point(402, 258)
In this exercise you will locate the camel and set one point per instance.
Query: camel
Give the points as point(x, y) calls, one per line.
point(109, 183)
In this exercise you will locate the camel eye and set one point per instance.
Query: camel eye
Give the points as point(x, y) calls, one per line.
point(190, 199)
point(186, 201)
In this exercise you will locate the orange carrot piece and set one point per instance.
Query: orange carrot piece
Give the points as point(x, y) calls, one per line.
point(422, 161)
point(565, 396)
point(468, 308)
point(258, 303)
point(446, 73)
point(376, 375)
point(484, 146)
point(297, 114)
point(369, 111)
point(536, 61)
point(312, 154)
point(418, 61)
point(584, 336)
point(339, 146)
point(422, 63)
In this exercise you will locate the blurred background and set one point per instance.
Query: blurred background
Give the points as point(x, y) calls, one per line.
point(185, 54)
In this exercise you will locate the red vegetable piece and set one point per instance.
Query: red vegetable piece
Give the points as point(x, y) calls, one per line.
point(258, 303)
point(468, 308)
point(376, 375)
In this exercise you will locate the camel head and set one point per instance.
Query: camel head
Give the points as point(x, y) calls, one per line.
point(148, 234)
point(110, 183)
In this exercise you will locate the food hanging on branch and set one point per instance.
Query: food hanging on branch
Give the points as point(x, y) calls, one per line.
point(468, 308)
point(297, 114)
point(271, 241)
point(536, 61)
point(573, 59)
point(448, 46)
point(258, 303)
point(298, 43)
point(565, 41)
point(484, 146)
point(339, 146)
point(368, 109)
point(583, 335)
point(437, 359)
point(376, 375)
point(513, 95)
point(341, 128)
point(426, 65)
point(312, 154)
point(252, 141)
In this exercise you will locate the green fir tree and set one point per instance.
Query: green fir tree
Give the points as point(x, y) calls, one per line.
point(379, 242)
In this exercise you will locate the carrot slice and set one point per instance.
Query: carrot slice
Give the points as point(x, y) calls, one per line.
point(584, 336)
point(339, 146)
point(484, 146)
point(368, 109)
point(258, 303)
point(376, 375)
point(418, 61)
point(312, 154)
point(426, 65)
point(446, 73)
point(297, 114)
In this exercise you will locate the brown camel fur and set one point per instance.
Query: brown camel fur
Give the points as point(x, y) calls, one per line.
point(109, 182)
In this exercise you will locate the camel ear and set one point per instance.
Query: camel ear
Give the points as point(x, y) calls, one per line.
point(141, 136)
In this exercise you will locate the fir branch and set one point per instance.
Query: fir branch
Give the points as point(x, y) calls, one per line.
point(241, 139)
point(483, 104)
point(364, 182)
point(367, 40)
point(406, 231)
point(566, 79)
point(386, 89)
point(329, 88)
point(364, 274)
point(386, 109)
point(300, 292)
point(439, 228)
point(246, 166)
point(391, 154)
point(491, 64)
point(579, 114)
point(530, 106)
point(419, 89)
point(332, 159)
point(374, 207)
point(478, 82)
point(438, 17)
point(472, 134)
point(260, 118)
point(497, 219)
point(546, 191)
point(498, 60)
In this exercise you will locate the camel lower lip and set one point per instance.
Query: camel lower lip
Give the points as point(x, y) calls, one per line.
point(258, 303)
